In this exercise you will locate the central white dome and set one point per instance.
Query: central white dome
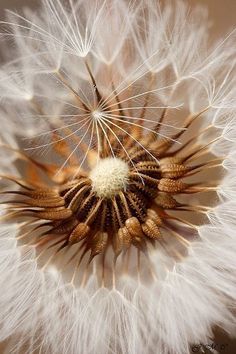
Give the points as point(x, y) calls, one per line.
point(109, 176)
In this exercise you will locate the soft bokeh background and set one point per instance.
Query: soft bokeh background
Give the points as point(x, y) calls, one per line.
point(222, 15)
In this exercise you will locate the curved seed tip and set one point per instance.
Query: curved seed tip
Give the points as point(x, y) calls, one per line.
point(125, 238)
point(79, 232)
point(134, 227)
point(154, 216)
point(151, 229)
point(99, 244)
point(166, 201)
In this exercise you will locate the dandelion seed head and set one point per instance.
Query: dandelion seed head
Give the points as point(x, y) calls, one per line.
point(117, 178)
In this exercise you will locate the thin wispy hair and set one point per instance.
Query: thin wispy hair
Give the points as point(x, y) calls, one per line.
point(150, 50)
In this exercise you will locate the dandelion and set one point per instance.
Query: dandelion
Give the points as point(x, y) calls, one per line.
point(117, 179)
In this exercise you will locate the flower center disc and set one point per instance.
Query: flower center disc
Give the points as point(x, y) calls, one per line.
point(109, 176)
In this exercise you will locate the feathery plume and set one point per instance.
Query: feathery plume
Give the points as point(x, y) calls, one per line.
point(117, 179)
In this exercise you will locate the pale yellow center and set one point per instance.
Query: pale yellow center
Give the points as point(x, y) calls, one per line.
point(109, 177)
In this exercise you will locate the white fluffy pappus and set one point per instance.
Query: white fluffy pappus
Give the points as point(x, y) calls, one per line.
point(52, 80)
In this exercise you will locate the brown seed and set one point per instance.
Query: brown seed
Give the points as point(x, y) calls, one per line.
point(99, 243)
point(151, 229)
point(64, 227)
point(171, 167)
point(134, 227)
point(171, 186)
point(166, 201)
point(118, 243)
point(80, 232)
point(151, 214)
point(46, 203)
point(170, 160)
point(54, 214)
point(42, 194)
point(125, 237)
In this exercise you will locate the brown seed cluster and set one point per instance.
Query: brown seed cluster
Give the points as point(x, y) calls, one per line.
point(75, 214)
point(63, 211)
